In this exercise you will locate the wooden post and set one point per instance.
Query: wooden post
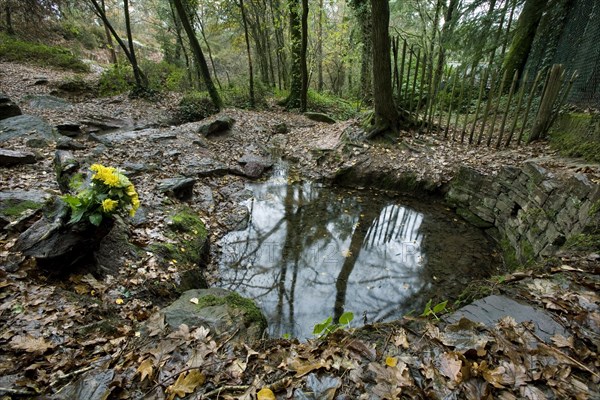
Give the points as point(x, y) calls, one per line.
point(414, 85)
point(437, 102)
point(401, 75)
point(564, 97)
point(478, 107)
point(510, 95)
point(519, 103)
point(488, 105)
point(422, 84)
point(493, 124)
point(549, 96)
point(528, 107)
point(463, 131)
point(450, 106)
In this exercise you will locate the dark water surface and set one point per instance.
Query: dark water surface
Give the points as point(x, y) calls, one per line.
point(311, 251)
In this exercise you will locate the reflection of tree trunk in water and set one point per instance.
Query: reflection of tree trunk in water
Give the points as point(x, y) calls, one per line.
point(289, 255)
point(366, 218)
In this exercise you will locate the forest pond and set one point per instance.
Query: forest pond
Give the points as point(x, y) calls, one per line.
point(312, 251)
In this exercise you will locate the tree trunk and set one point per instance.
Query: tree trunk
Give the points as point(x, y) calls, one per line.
point(109, 42)
point(363, 14)
point(303, 66)
point(9, 26)
point(134, 65)
point(386, 116)
point(276, 20)
point(252, 100)
point(524, 34)
point(212, 90)
point(140, 79)
point(210, 57)
point(444, 36)
point(293, 100)
point(485, 32)
point(320, 48)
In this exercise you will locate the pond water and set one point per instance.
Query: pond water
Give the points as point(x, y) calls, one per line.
point(310, 252)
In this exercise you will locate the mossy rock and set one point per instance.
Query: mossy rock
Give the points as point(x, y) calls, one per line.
point(222, 311)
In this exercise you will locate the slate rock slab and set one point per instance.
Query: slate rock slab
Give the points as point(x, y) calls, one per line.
point(492, 309)
point(22, 125)
point(207, 167)
point(67, 143)
point(8, 108)
point(45, 101)
point(319, 117)
point(220, 310)
point(181, 188)
point(69, 128)
point(218, 126)
point(65, 166)
point(12, 157)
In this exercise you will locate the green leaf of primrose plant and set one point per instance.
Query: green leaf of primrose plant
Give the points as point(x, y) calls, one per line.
point(96, 219)
point(346, 318)
point(319, 328)
point(440, 307)
point(76, 215)
point(427, 310)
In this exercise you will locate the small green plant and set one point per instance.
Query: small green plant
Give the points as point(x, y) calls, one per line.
point(195, 106)
point(439, 308)
point(108, 193)
point(327, 326)
point(116, 80)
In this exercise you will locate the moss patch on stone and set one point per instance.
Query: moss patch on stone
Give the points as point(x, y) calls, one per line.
point(14, 208)
point(584, 242)
point(234, 300)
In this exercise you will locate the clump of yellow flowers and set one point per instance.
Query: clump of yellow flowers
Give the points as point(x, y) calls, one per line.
point(108, 193)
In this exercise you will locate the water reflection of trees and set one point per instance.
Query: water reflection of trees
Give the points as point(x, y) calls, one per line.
point(315, 239)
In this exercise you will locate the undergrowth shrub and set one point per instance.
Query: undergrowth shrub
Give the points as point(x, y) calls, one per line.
point(239, 96)
point(194, 106)
point(16, 50)
point(116, 80)
point(165, 76)
point(333, 106)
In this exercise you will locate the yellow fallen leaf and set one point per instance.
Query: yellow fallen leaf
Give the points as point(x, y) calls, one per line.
point(194, 300)
point(391, 361)
point(119, 301)
point(186, 383)
point(265, 394)
point(145, 369)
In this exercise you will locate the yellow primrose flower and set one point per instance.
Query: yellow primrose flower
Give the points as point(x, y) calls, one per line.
point(130, 191)
point(108, 175)
point(109, 205)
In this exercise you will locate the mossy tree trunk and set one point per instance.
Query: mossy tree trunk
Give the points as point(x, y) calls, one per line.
point(524, 35)
point(198, 54)
point(294, 99)
point(246, 36)
point(303, 50)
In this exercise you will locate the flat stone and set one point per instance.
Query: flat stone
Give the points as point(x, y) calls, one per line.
point(220, 125)
point(492, 309)
point(12, 157)
point(132, 169)
point(226, 318)
point(45, 101)
point(37, 143)
point(103, 123)
point(8, 108)
point(319, 117)
point(67, 143)
point(68, 128)
point(65, 166)
point(207, 167)
point(181, 188)
point(22, 125)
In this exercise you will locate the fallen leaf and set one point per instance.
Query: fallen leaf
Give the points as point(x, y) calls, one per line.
point(265, 394)
point(561, 341)
point(391, 361)
point(450, 365)
point(145, 369)
point(194, 300)
point(30, 344)
point(119, 301)
point(186, 383)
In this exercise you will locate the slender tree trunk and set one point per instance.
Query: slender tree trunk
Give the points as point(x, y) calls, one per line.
point(320, 48)
point(9, 25)
point(303, 50)
point(177, 24)
point(386, 115)
point(109, 42)
point(210, 57)
point(198, 54)
point(366, 66)
point(140, 79)
point(524, 34)
point(293, 101)
point(246, 36)
point(277, 22)
point(134, 65)
point(485, 33)
point(498, 35)
point(444, 36)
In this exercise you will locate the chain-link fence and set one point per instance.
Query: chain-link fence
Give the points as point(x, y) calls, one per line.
point(570, 35)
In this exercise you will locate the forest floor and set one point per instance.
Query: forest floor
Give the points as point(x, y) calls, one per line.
point(53, 343)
